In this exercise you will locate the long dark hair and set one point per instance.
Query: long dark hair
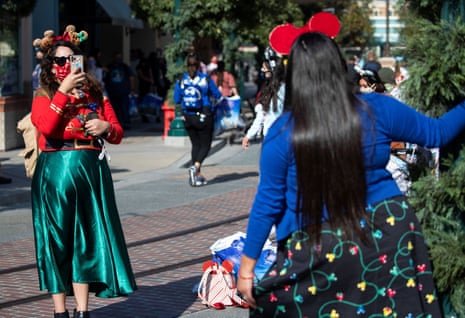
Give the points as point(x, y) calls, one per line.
point(48, 80)
point(327, 136)
point(269, 91)
point(220, 73)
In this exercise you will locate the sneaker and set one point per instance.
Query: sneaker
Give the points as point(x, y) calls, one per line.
point(200, 181)
point(192, 175)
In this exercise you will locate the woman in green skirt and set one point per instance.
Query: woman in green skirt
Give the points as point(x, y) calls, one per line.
point(80, 246)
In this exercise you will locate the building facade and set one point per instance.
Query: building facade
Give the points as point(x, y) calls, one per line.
point(111, 29)
point(386, 22)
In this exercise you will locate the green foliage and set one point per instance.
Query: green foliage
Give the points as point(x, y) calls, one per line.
point(154, 12)
point(21, 8)
point(427, 9)
point(230, 23)
point(356, 27)
point(440, 206)
point(437, 72)
point(434, 52)
point(233, 23)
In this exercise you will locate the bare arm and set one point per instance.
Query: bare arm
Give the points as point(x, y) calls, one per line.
point(245, 279)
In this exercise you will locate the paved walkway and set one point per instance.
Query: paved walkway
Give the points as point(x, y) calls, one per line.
point(169, 226)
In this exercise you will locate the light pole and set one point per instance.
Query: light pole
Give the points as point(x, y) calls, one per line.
point(386, 45)
point(177, 128)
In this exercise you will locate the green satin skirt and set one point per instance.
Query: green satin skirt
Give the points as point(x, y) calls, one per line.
point(78, 233)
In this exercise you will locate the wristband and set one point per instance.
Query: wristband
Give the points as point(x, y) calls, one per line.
point(246, 277)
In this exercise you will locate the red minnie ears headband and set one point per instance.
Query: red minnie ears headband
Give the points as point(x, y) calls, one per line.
point(282, 37)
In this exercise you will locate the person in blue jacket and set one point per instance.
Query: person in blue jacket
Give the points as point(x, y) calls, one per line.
point(193, 92)
point(349, 243)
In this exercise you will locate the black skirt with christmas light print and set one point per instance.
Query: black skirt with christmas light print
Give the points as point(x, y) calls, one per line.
point(389, 276)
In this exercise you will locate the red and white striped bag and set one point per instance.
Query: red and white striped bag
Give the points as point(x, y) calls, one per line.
point(217, 288)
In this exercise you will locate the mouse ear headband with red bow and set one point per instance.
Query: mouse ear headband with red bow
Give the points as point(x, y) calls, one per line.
point(283, 36)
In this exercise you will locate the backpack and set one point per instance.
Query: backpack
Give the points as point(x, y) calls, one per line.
point(217, 288)
point(193, 92)
point(31, 146)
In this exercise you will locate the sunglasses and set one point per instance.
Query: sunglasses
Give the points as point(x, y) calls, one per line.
point(192, 64)
point(61, 60)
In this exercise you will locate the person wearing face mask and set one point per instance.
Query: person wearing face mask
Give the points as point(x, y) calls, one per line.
point(79, 241)
point(95, 69)
point(271, 96)
point(193, 92)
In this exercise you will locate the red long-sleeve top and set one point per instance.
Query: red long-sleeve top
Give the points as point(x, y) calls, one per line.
point(63, 118)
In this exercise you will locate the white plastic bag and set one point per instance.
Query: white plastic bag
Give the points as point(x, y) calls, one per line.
point(230, 248)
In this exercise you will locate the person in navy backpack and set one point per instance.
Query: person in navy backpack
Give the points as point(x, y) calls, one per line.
point(194, 92)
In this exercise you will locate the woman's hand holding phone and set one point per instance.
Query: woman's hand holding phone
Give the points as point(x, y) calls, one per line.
point(77, 63)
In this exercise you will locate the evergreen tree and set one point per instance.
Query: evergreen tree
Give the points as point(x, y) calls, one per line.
point(357, 29)
point(437, 82)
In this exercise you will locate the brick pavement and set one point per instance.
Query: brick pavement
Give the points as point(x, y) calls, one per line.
point(166, 257)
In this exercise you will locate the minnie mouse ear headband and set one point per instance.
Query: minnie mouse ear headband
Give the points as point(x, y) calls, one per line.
point(283, 36)
point(69, 35)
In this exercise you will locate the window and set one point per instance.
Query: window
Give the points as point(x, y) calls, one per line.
point(9, 66)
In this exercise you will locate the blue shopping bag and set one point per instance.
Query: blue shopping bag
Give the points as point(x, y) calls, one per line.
point(228, 115)
point(150, 104)
point(133, 111)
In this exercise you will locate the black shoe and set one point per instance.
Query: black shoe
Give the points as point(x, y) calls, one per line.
point(81, 314)
point(4, 180)
point(61, 315)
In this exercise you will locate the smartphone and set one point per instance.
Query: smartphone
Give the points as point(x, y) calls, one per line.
point(77, 62)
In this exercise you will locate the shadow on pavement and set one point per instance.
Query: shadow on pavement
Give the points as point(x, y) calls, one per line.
point(232, 177)
point(115, 171)
point(151, 301)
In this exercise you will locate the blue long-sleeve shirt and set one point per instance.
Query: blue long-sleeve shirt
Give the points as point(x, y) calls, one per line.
point(275, 200)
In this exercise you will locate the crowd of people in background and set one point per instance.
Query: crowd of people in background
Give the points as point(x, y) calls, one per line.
point(144, 75)
point(371, 75)
point(145, 79)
